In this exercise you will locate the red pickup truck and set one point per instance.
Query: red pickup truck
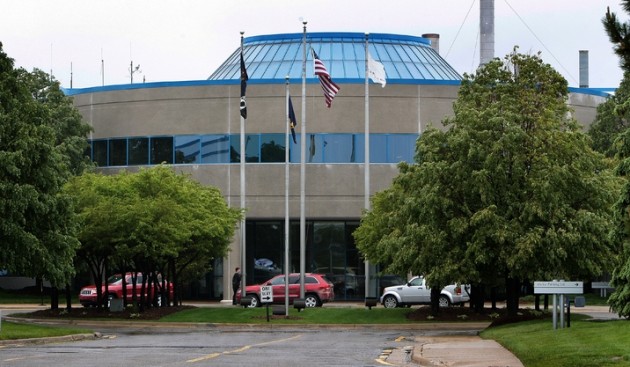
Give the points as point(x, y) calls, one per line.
point(87, 295)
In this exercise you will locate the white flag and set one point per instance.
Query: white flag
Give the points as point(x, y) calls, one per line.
point(376, 70)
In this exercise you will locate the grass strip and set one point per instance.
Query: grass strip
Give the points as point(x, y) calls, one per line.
point(308, 316)
point(585, 344)
point(12, 331)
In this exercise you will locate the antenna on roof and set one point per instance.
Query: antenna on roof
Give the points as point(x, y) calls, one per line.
point(133, 70)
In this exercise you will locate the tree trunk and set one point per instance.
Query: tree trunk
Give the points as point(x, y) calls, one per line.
point(68, 297)
point(54, 298)
point(513, 286)
point(435, 300)
point(477, 297)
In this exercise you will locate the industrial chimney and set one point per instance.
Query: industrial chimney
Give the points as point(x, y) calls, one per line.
point(435, 40)
point(486, 30)
point(583, 68)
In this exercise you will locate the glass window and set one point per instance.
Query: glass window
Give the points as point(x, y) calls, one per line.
point(252, 148)
point(162, 150)
point(378, 148)
point(215, 149)
point(401, 147)
point(187, 149)
point(138, 151)
point(118, 152)
point(338, 148)
point(314, 151)
point(100, 152)
point(265, 249)
point(278, 281)
point(272, 147)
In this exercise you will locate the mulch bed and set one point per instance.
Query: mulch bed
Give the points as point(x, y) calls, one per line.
point(422, 313)
point(153, 313)
point(497, 316)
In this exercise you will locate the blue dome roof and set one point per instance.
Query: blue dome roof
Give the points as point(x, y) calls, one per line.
point(270, 58)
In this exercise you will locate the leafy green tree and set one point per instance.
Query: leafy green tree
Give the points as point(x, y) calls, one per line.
point(613, 118)
point(42, 144)
point(510, 191)
point(153, 221)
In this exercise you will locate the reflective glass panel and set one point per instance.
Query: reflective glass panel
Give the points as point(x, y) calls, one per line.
point(215, 149)
point(187, 149)
point(338, 148)
point(401, 147)
point(138, 151)
point(162, 150)
point(99, 152)
point(272, 147)
point(118, 152)
point(378, 148)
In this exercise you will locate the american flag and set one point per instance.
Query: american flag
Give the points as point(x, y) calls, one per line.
point(330, 88)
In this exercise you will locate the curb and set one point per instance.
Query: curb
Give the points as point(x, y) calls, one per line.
point(467, 328)
point(50, 339)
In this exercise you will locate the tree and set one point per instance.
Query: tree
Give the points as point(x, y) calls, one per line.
point(153, 221)
point(612, 119)
point(511, 191)
point(619, 34)
point(42, 144)
point(620, 299)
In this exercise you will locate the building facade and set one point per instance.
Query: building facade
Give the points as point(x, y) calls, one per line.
point(195, 127)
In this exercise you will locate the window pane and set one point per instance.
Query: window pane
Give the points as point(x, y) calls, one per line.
point(215, 149)
point(314, 151)
point(339, 148)
point(378, 148)
point(118, 152)
point(187, 149)
point(138, 151)
point(100, 152)
point(402, 147)
point(272, 148)
point(162, 150)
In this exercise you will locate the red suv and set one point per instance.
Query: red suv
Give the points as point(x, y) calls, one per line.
point(87, 296)
point(317, 290)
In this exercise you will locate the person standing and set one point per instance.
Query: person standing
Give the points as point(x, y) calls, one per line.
point(236, 283)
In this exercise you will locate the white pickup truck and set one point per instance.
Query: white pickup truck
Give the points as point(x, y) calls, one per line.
point(416, 292)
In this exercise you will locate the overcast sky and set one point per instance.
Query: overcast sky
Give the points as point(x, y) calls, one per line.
point(188, 39)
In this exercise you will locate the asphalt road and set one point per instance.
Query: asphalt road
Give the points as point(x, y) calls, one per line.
point(180, 347)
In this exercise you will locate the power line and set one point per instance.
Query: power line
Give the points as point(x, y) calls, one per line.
point(460, 28)
point(541, 42)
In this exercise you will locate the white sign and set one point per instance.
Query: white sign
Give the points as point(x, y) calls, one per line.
point(266, 294)
point(559, 287)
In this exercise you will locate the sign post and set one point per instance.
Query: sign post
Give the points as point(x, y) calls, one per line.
point(266, 296)
point(558, 288)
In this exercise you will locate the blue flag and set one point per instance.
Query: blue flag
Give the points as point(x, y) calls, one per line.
point(244, 79)
point(292, 120)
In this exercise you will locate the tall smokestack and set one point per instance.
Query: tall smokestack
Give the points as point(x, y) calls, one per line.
point(583, 68)
point(486, 29)
point(435, 40)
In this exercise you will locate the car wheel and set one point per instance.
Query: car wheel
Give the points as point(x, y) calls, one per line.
point(444, 302)
point(390, 301)
point(254, 301)
point(311, 301)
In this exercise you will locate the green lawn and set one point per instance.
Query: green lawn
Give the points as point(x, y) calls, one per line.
point(11, 331)
point(584, 344)
point(317, 315)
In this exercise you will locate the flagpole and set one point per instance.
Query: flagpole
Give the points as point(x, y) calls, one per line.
point(366, 171)
point(242, 177)
point(286, 201)
point(303, 168)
